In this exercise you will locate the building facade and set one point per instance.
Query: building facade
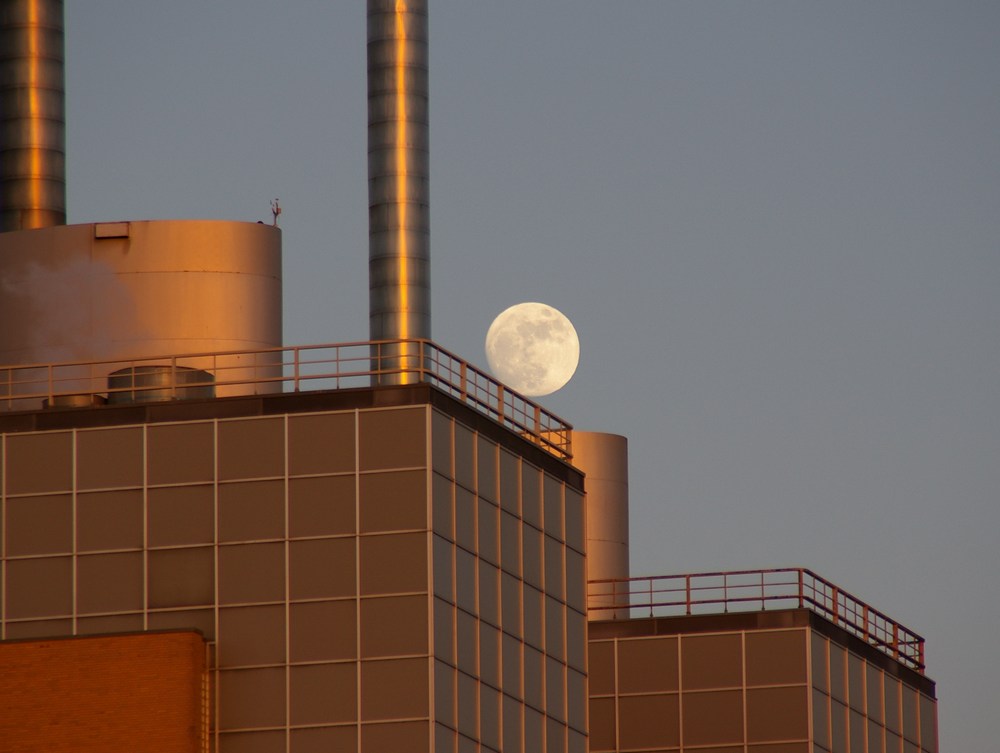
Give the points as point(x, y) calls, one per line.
point(382, 567)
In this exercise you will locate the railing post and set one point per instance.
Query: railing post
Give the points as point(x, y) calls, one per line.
point(464, 380)
point(296, 354)
point(802, 588)
point(687, 594)
point(500, 402)
point(895, 641)
point(864, 623)
point(650, 581)
point(836, 606)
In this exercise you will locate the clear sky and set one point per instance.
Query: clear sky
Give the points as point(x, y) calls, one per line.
point(775, 225)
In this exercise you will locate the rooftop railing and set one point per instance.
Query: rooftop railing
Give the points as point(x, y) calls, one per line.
point(304, 368)
point(751, 591)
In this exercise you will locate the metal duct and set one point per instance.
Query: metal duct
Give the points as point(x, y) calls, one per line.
point(32, 115)
point(398, 194)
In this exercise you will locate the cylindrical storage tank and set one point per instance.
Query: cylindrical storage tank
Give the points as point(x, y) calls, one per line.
point(604, 459)
point(398, 183)
point(117, 292)
point(157, 384)
point(32, 115)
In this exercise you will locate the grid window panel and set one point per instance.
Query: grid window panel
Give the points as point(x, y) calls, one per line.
point(251, 448)
point(510, 543)
point(251, 573)
point(322, 631)
point(39, 463)
point(467, 642)
point(489, 531)
point(110, 583)
point(489, 593)
point(555, 689)
point(321, 506)
point(394, 563)
point(181, 577)
point(574, 517)
point(251, 698)
point(465, 518)
point(468, 705)
point(26, 599)
point(465, 580)
point(489, 716)
point(445, 680)
point(393, 501)
point(444, 631)
point(441, 444)
point(555, 626)
point(323, 693)
point(251, 511)
point(533, 617)
point(510, 604)
point(711, 661)
point(444, 568)
point(465, 466)
point(251, 636)
point(486, 457)
point(512, 730)
point(554, 568)
point(40, 525)
point(181, 515)
point(489, 654)
point(94, 448)
point(512, 665)
point(322, 569)
point(646, 721)
point(180, 453)
point(646, 665)
point(321, 444)
point(443, 503)
point(394, 689)
point(531, 494)
point(377, 431)
point(510, 483)
point(393, 626)
point(552, 490)
point(109, 520)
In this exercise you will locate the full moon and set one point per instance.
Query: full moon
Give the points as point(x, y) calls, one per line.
point(532, 348)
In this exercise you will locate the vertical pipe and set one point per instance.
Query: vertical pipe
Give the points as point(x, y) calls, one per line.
point(398, 194)
point(32, 115)
point(604, 459)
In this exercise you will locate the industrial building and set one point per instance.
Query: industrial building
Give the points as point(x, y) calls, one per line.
point(212, 541)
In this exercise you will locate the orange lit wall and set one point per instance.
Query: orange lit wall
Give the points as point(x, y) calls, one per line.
point(141, 692)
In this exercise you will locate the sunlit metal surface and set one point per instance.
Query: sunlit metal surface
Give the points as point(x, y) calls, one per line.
point(603, 458)
point(32, 115)
point(398, 193)
point(304, 368)
point(124, 290)
point(758, 590)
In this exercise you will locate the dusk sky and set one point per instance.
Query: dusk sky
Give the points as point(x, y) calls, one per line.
point(775, 226)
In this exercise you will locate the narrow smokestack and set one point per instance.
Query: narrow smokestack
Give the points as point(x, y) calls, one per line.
point(32, 115)
point(398, 194)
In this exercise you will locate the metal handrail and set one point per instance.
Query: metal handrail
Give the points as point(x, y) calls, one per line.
point(757, 590)
point(300, 368)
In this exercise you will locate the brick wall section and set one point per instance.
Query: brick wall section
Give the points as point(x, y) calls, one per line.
point(105, 694)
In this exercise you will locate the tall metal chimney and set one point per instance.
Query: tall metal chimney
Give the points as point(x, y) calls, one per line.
point(32, 115)
point(398, 193)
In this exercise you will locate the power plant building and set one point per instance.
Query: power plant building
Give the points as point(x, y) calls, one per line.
point(212, 541)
